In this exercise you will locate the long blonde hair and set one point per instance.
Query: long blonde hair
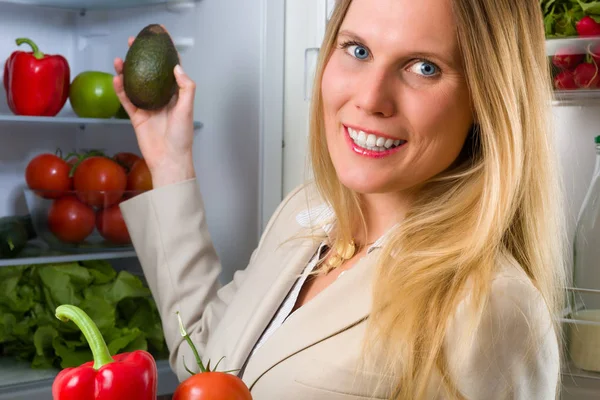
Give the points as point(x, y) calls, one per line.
point(502, 194)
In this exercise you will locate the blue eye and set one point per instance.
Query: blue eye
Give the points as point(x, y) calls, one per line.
point(425, 68)
point(358, 51)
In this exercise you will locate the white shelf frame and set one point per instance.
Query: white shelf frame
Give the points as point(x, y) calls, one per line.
point(81, 122)
point(113, 255)
point(79, 5)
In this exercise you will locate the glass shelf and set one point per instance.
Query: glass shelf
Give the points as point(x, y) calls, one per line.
point(96, 4)
point(18, 377)
point(38, 252)
point(554, 45)
point(5, 118)
point(576, 97)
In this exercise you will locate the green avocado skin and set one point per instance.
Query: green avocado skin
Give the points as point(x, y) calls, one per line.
point(148, 77)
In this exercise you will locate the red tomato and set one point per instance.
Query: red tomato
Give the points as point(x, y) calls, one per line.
point(111, 225)
point(139, 178)
point(48, 175)
point(70, 220)
point(99, 181)
point(126, 159)
point(212, 386)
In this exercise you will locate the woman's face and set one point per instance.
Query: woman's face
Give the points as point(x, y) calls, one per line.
point(397, 108)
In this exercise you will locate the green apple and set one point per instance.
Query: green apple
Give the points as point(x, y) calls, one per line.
point(92, 95)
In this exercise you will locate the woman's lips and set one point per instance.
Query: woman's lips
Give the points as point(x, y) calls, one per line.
point(366, 144)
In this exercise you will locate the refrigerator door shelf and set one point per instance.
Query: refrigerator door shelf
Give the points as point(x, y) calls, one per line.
point(577, 97)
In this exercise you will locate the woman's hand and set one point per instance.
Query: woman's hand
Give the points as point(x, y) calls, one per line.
point(164, 136)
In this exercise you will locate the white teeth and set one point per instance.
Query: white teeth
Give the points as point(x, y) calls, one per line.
point(362, 139)
point(372, 142)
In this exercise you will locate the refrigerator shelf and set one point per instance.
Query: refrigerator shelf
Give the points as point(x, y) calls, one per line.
point(37, 252)
point(576, 97)
point(570, 370)
point(19, 381)
point(71, 121)
point(95, 4)
point(555, 45)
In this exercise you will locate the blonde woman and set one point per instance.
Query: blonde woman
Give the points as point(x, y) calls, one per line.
point(425, 259)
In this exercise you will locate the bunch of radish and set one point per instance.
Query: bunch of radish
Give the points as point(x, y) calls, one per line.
point(579, 69)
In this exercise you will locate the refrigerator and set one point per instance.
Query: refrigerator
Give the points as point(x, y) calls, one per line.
point(233, 51)
point(253, 62)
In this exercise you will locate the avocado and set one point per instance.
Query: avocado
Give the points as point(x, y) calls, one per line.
point(121, 113)
point(148, 77)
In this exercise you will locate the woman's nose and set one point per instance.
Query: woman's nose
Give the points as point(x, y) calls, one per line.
point(374, 95)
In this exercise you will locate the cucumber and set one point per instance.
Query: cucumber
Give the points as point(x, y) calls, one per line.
point(15, 232)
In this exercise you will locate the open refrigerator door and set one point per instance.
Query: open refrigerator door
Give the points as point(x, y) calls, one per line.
point(573, 50)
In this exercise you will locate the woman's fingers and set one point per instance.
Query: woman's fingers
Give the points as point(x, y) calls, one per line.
point(118, 64)
point(187, 91)
point(130, 40)
point(120, 90)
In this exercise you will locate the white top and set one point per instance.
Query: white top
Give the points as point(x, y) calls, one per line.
point(285, 310)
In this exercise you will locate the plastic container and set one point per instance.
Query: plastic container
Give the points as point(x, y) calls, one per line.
point(584, 334)
point(80, 221)
point(575, 64)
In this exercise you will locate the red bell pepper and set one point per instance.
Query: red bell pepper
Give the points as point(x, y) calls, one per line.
point(36, 84)
point(125, 376)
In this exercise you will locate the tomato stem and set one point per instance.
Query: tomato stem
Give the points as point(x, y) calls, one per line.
point(189, 340)
point(187, 369)
point(218, 362)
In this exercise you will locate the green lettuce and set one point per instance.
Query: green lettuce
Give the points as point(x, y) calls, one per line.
point(119, 303)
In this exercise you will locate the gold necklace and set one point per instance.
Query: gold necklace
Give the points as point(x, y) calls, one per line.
point(341, 253)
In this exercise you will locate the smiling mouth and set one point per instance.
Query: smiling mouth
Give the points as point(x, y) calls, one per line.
point(372, 142)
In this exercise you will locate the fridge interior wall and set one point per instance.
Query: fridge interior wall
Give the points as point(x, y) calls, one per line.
point(219, 49)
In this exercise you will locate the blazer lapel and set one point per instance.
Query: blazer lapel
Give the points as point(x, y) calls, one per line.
point(290, 265)
point(292, 257)
point(344, 303)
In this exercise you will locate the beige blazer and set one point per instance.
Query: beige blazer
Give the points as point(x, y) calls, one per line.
point(315, 353)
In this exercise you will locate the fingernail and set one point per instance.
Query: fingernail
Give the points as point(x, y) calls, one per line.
point(179, 70)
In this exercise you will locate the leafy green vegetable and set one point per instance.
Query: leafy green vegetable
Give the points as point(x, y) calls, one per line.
point(118, 302)
point(590, 7)
point(561, 16)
